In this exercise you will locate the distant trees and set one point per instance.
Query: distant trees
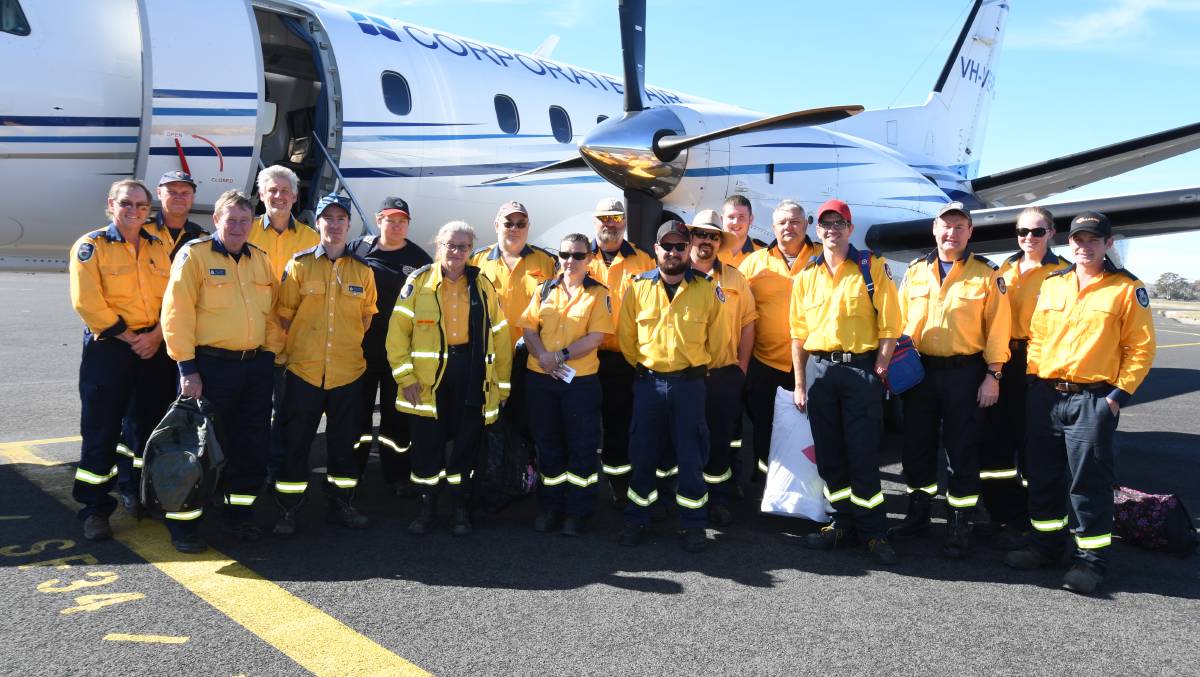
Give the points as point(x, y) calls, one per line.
point(1174, 287)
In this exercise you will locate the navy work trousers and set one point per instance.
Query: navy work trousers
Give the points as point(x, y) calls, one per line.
point(945, 401)
point(303, 406)
point(565, 420)
point(723, 408)
point(446, 448)
point(393, 437)
point(668, 420)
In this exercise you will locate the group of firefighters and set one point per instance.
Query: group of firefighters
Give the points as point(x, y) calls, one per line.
point(649, 358)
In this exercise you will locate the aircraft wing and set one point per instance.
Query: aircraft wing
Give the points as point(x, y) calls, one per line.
point(1138, 215)
point(1027, 184)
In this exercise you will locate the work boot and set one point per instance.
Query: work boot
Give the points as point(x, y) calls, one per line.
point(426, 514)
point(285, 527)
point(881, 551)
point(1009, 538)
point(719, 515)
point(916, 522)
point(133, 505)
point(1083, 578)
point(958, 535)
point(830, 538)
point(573, 525)
point(547, 520)
point(96, 528)
point(631, 535)
point(695, 539)
point(462, 522)
point(342, 512)
point(188, 543)
point(1027, 559)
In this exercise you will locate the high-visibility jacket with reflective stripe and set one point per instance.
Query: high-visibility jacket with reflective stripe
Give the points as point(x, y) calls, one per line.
point(417, 348)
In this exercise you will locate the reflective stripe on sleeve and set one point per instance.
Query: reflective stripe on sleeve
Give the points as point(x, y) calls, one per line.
point(402, 403)
point(404, 311)
point(499, 325)
point(504, 385)
point(407, 366)
point(426, 355)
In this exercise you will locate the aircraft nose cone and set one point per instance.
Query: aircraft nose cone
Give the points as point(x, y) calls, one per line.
point(622, 151)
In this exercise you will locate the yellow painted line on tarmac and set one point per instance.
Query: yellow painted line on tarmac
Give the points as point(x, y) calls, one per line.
point(145, 639)
point(1180, 345)
point(313, 639)
point(38, 443)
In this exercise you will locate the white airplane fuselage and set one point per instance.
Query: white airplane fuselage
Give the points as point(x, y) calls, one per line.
point(101, 91)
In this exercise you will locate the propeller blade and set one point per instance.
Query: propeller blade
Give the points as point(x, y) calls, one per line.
point(570, 163)
point(643, 215)
point(670, 146)
point(633, 51)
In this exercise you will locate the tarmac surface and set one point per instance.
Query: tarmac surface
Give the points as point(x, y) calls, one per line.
point(507, 600)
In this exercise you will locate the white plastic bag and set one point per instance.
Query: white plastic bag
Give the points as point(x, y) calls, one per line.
point(794, 488)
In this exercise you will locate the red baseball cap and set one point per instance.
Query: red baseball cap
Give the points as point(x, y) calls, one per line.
point(835, 206)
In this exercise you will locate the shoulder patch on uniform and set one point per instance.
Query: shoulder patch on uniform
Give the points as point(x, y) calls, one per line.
point(887, 270)
point(720, 292)
point(1143, 298)
point(608, 303)
point(85, 251)
point(1000, 285)
point(985, 260)
point(407, 290)
point(283, 278)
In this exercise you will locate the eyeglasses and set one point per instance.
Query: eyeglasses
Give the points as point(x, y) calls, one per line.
point(705, 234)
point(578, 256)
point(673, 246)
point(126, 204)
point(456, 248)
point(833, 225)
point(1026, 232)
point(519, 225)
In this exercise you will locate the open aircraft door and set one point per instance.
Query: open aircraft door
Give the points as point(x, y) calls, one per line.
point(202, 94)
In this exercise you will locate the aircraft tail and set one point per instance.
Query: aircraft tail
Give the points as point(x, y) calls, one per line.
point(946, 133)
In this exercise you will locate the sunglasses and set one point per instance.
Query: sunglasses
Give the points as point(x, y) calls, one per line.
point(578, 256)
point(1036, 232)
point(519, 225)
point(673, 246)
point(705, 234)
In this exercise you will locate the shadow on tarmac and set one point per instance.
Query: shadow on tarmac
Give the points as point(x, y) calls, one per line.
point(1164, 382)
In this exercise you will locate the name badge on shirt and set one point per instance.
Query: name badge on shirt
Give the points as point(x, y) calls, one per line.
point(354, 289)
point(220, 272)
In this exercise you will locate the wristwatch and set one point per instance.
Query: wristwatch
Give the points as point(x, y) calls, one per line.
point(566, 354)
point(997, 374)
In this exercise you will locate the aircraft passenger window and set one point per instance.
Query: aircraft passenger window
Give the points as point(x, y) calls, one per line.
point(560, 124)
point(12, 19)
point(506, 114)
point(396, 95)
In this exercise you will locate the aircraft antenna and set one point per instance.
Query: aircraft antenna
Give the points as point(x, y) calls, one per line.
point(957, 23)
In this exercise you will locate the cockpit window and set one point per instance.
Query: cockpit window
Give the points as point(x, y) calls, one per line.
point(12, 19)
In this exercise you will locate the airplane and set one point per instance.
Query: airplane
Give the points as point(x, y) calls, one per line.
point(374, 106)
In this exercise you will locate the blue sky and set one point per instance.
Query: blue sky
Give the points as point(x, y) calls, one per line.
point(1073, 74)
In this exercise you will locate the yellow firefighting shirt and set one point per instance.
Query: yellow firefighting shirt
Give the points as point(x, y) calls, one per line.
point(456, 305)
point(560, 320)
point(739, 309)
point(832, 312)
point(964, 314)
point(735, 258)
point(329, 305)
point(115, 287)
point(1023, 288)
point(281, 247)
point(628, 263)
point(670, 334)
point(217, 301)
point(518, 285)
point(1103, 333)
point(770, 280)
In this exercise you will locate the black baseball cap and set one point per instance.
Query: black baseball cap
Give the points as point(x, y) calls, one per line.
point(177, 175)
point(393, 204)
point(1091, 222)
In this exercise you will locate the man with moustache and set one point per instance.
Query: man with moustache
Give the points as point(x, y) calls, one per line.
point(728, 371)
point(770, 273)
point(955, 308)
point(670, 330)
point(1091, 344)
point(614, 262)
